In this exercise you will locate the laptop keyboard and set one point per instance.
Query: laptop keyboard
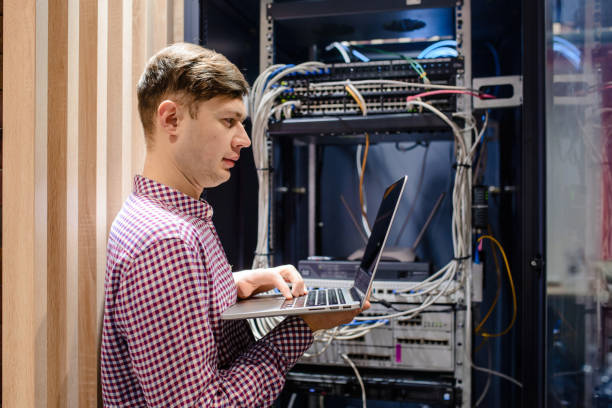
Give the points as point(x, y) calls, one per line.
point(320, 297)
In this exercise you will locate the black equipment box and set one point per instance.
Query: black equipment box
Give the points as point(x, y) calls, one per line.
point(346, 270)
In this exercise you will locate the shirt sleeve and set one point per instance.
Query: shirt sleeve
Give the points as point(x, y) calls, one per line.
point(163, 312)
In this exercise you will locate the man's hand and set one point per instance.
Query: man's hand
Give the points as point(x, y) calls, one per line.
point(261, 280)
point(319, 321)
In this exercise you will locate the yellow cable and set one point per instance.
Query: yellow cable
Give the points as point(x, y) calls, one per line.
point(497, 293)
point(350, 91)
point(482, 343)
point(363, 165)
point(501, 249)
point(365, 154)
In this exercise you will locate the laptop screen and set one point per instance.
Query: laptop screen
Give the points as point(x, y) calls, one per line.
point(378, 236)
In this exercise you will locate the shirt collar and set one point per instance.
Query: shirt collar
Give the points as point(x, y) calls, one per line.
point(169, 196)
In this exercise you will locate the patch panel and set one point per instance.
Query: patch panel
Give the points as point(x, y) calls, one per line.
point(424, 343)
point(370, 357)
point(380, 98)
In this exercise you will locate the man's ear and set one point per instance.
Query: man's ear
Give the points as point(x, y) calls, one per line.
point(168, 115)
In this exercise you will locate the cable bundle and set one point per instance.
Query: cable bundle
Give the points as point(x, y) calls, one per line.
point(450, 279)
point(262, 106)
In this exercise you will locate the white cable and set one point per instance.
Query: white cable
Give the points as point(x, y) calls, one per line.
point(292, 400)
point(282, 108)
point(262, 101)
point(340, 49)
point(363, 393)
point(263, 105)
point(498, 374)
point(326, 346)
point(442, 281)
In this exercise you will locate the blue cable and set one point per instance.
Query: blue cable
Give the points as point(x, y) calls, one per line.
point(276, 71)
point(442, 52)
point(568, 50)
point(360, 55)
point(359, 322)
point(443, 43)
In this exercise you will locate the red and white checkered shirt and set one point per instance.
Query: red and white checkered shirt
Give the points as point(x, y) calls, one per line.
point(167, 283)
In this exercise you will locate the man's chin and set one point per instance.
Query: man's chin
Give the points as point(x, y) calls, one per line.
point(220, 179)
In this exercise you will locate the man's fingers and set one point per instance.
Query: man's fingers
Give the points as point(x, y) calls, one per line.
point(280, 284)
point(290, 274)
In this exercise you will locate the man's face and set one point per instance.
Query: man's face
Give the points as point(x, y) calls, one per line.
point(209, 146)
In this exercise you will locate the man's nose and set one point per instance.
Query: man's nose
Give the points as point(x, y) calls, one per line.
point(242, 138)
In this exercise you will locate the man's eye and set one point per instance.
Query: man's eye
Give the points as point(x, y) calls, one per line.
point(230, 121)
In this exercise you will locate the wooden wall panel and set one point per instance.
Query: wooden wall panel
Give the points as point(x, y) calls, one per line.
point(115, 108)
point(20, 326)
point(72, 143)
point(142, 24)
point(178, 24)
point(87, 275)
point(56, 188)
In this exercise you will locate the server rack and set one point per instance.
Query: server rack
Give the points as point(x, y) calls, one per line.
point(314, 131)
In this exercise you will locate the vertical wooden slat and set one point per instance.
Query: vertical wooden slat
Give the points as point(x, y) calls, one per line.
point(72, 207)
point(141, 51)
point(88, 43)
point(116, 107)
point(178, 24)
point(19, 328)
point(159, 24)
point(41, 177)
point(101, 177)
point(56, 226)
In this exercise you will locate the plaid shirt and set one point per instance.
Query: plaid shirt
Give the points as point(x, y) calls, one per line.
point(163, 341)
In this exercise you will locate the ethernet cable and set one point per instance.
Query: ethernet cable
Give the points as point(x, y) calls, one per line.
point(361, 163)
point(363, 393)
point(263, 106)
point(262, 103)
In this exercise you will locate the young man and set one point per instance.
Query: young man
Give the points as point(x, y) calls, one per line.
point(167, 277)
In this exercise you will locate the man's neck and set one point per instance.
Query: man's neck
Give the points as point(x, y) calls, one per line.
point(164, 171)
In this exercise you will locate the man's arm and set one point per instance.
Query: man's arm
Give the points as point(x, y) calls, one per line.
point(163, 311)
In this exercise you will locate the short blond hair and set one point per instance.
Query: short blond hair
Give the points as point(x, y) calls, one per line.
point(189, 73)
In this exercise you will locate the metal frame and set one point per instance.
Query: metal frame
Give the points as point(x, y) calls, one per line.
point(531, 195)
point(463, 34)
point(515, 81)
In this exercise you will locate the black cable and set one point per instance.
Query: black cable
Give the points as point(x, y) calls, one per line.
point(412, 147)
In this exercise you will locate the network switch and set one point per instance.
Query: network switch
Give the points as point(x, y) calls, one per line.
point(379, 98)
point(332, 269)
point(423, 343)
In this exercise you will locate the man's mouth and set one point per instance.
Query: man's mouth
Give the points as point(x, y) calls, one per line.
point(230, 162)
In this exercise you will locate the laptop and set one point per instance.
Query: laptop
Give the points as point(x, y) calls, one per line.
point(331, 299)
